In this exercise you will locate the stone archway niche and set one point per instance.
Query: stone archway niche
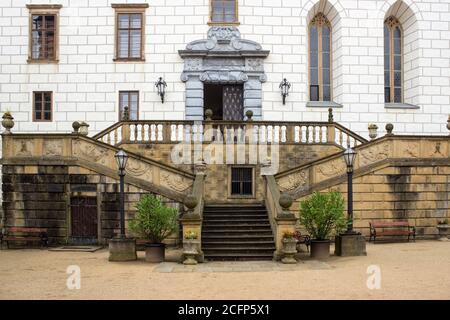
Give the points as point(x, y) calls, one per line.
point(223, 58)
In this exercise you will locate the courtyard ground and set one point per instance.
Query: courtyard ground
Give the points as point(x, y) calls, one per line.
point(418, 270)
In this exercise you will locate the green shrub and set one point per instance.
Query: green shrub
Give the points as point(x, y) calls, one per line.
point(154, 220)
point(322, 213)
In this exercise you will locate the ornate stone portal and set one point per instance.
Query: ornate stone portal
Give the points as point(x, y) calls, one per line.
point(223, 58)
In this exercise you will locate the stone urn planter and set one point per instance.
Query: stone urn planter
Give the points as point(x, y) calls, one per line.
point(289, 250)
point(7, 122)
point(443, 229)
point(155, 252)
point(190, 251)
point(320, 249)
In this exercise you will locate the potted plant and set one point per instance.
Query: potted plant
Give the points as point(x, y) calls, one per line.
point(154, 221)
point(443, 228)
point(289, 247)
point(190, 247)
point(321, 214)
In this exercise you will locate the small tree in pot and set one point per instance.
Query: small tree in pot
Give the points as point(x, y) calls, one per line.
point(154, 221)
point(321, 214)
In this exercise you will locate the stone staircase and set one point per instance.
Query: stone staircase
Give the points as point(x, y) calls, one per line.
point(237, 232)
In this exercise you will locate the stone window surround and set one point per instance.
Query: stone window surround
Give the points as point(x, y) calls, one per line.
point(229, 174)
point(223, 58)
point(43, 9)
point(130, 8)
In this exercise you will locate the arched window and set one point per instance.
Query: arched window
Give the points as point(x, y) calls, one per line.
point(393, 43)
point(320, 59)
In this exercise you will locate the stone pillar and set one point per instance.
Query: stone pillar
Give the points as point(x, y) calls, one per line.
point(286, 222)
point(253, 97)
point(194, 98)
point(192, 222)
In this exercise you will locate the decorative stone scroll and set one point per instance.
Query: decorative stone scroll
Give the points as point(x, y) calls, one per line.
point(175, 182)
point(296, 181)
point(376, 153)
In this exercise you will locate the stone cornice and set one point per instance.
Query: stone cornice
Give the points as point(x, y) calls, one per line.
point(44, 6)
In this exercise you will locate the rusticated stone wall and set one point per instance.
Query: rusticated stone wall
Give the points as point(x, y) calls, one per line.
point(216, 183)
point(39, 196)
point(419, 194)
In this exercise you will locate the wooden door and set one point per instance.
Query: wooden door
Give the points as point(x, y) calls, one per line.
point(233, 102)
point(84, 218)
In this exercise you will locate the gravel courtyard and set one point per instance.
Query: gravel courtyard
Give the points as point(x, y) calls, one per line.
point(418, 270)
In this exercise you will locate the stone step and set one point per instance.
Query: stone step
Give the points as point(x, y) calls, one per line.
point(247, 249)
point(234, 222)
point(234, 216)
point(238, 257)
point(237, 232)
point(223, 243)
point(210, 225)
point(234, 210)
point(237, 237)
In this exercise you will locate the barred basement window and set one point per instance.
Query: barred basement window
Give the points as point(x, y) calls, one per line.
point(320, 59)
point(42, 105)
point(130, 31)
point(393, 47)
point(241, 181)
point(129, 99)
point(43, 41)
point(224, 12)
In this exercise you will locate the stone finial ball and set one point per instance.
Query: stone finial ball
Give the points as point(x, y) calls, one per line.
point(285, 201)
point(208, 113)
point(190, 201)
point(389, 128)
point(76, 125)
point(249, 114)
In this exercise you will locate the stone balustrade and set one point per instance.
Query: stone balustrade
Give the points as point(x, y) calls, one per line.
point(257, 132)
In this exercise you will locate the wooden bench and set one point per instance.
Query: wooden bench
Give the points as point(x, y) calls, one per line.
point(391, 228)
point(21, 234)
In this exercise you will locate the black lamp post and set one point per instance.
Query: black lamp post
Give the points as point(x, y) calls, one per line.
point(122, 158)
point(161, 86)
point(349, 157)
point(284, 87)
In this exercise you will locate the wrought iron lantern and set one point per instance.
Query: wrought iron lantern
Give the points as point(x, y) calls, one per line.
point(161, 87)
point(284, 87)
point(349, 157)
point(121, 158)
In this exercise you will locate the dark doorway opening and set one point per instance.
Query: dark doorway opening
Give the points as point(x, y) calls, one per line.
point(84, 224)
point(226, 101)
